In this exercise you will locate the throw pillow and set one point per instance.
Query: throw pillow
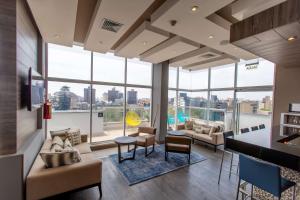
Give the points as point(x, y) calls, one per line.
point(57, 159)
point(56, 148)
point(196, 126)
point(212, 130)
point(60, 133)
point(198, 130)
point(57, 141)
point(75, 137)
point(67, 143)
point(188, 125)
point(205, 130)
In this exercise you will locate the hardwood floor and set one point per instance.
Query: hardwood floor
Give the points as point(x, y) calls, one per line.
point(198, 181)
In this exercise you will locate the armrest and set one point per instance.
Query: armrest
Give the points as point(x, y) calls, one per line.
point(133, 134)
point(84, 137)
point(150, 140)
point(218, 137)
point(42, 183)
point(180, 127)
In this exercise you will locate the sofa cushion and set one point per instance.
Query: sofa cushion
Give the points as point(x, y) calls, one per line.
point(205, 129)
point(56, 159)
point(189, 133)
point(56, 148)
point(188, 125)
point(83, 148)
point(61, 133)
point(204, 137)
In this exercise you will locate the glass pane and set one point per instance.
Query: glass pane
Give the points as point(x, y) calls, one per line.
point(172, 77)
point(183, 111)
point(199, 79)
point(223, 76)
point(108, 68)
point(69, 62)
point(71, 106)
point(198, 103)
point(138, 111)
point(255, 73)
point(171, 109)
point(254, 108)
point(221, 108)
point(184, 79)
point(108, 112)
point(138, 72)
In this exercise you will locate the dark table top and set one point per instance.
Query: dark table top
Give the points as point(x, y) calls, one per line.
point(261, 145)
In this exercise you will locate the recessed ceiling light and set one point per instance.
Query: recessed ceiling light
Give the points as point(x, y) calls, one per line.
point(194, 8)
point(145, 42)
point(56, 36)
point(291, 38)
point(210, 37)
point(100, 42)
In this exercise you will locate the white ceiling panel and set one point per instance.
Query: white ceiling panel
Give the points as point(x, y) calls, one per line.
point(142, 39)
point(199, 55)
point(55, 19)
point(195, 26)
point(212, 63)
point(169, 49)
point(111, 19)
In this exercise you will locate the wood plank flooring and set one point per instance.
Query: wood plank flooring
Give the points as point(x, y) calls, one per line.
point(198, 181)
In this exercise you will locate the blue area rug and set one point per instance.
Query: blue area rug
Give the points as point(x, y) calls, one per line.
point(144, 168)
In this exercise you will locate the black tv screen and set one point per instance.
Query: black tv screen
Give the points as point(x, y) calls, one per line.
point(36, 90)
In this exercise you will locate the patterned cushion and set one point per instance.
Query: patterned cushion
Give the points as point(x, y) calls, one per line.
point(67, 143)
point(205, 129)
point(188, 125)
point(75, 137)
point(56, 148)
point(196, 126)
point(63, 134)
point(56, 159)
point(57, 141)
point(212, 130)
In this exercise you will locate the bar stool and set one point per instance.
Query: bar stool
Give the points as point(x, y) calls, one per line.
point(226, 135)
point(245, 130)
point(261, 126)
point(264, 176)
point(254, 128)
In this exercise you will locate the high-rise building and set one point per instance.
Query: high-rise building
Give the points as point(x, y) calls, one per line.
point(88, 92)
point(132, 97)
point(113, 95)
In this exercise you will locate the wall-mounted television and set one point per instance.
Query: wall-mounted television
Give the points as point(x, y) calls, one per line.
point(36, 90)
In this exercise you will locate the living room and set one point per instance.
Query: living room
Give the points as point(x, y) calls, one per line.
point(136, 100)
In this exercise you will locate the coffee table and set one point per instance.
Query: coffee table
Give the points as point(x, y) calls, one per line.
point(176, 133)
point(125, 140)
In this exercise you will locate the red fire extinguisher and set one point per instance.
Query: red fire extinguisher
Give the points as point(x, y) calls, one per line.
point(47, 110)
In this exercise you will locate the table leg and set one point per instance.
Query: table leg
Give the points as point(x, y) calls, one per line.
point(134, 151)
point(119, 153)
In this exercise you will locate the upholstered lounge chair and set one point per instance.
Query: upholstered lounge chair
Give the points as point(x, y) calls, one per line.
point(145, 138)
point(178, 144)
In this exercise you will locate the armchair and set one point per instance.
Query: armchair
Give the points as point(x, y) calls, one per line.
point(145, 138)
point(178, 144)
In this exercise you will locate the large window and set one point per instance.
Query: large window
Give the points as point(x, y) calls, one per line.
point(237, 95)
point(88, 91)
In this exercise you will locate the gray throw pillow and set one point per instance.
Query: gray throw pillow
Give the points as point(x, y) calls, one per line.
point(74, 136)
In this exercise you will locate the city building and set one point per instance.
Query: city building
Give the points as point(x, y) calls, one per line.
point(149, 99)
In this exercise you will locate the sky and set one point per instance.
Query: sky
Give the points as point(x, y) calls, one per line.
point(74, 63)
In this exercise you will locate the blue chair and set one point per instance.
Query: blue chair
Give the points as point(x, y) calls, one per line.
point(264, 176)
point(254, 128)
point(261, 126)
point(245, 130)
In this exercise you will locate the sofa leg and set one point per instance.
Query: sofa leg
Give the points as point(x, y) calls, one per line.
point(100, 189)
point(189, 159)
point(215, 148)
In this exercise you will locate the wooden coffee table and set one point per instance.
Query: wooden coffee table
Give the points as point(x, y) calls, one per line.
point(125, 140)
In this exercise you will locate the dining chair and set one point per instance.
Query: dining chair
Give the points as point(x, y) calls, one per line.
point(254, 128)
point(261, 126)
point(226, 150)
point(263, 175)
point(245, 130)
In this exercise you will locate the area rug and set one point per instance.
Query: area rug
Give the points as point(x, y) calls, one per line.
point(145, 168)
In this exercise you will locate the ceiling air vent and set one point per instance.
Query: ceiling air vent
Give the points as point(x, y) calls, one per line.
point(208, 55)
point(111, 25)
